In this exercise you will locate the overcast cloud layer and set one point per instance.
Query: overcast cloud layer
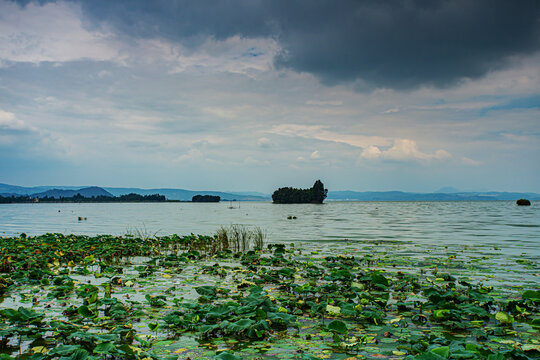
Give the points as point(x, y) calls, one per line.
point(251, 95)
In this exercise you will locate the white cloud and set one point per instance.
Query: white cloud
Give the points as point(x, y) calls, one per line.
point(325, 102)
point(461, 105)
point(519, 138)
point(24, 137)
point(315, 155)
point(191, 155)
point(231, 112)
point(265, 143)
point(371, 152)
point(54, 32)
point(322, 133)
point(50, 32)
point(468, 161)
point(8, 121)
point(251, 161)
point(234, 55)
point(403, 150)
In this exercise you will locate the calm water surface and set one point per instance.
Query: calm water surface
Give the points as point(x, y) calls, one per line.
point(489, 223)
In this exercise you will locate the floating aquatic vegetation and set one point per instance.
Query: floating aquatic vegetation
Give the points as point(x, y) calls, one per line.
point(201, 297)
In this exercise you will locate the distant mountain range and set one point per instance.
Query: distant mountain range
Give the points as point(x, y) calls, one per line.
point(407, 196)
point(186, 195)
point(171, 194)
point(443, 194)
point(86, 192)
point(448, 190)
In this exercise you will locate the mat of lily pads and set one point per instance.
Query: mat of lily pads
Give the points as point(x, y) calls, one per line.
point(73, 297)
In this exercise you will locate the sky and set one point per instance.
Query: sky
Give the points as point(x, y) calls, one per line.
point(252, 95)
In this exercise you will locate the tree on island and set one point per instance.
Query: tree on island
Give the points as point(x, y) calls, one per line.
point(78, 198)
point(205, 198)
point(289, 195)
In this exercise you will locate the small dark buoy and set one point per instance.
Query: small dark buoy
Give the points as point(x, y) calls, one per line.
point(523, 202)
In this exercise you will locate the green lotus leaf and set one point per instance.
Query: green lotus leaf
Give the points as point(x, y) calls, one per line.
point(533, 295)
point(441, 314)
point(64, 350)
point(443, 351)
point(338, 326)
point(241, 325)
point(504, 317)
point(206, 290)
point(227, 356)
point(105, 348)
point(84, 311)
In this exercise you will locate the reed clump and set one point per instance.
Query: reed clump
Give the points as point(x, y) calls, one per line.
point(239, 238)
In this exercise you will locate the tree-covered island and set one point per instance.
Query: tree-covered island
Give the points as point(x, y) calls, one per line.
point(289, 195)
point(78, 198)
point(206, 198)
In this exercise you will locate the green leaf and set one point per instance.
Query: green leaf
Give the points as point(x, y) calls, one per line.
point(171, 357)
point(443, 351)
point(227, 356)
point(104, 348)
point(241, 325)
point(206, 290)
point(27, 314)
point(427, 356)
point(504, 317)
point(64, 350)
point(338, 326)
point(379, 279)
point(533, 295)
point(219, 312)
point(84, 311)
point(333, 310)
point(496, 357)
point(441, 314)
point(530, 347)
point(80, 354)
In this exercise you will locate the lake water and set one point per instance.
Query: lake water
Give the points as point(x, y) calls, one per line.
point(500, 224)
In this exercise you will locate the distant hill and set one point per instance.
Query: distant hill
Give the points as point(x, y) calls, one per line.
point(448, 190)
point(6, 189)
point(251, 193)
point(407, 196)
point(86, 192)
point(187, 195)
point(171, 194)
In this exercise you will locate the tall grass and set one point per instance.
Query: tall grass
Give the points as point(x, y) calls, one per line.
point(141, 233)
point(237, 237)
point(259, 236)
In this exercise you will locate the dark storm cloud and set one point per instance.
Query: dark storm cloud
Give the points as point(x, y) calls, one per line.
point(404, 44)
point(396, 44)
